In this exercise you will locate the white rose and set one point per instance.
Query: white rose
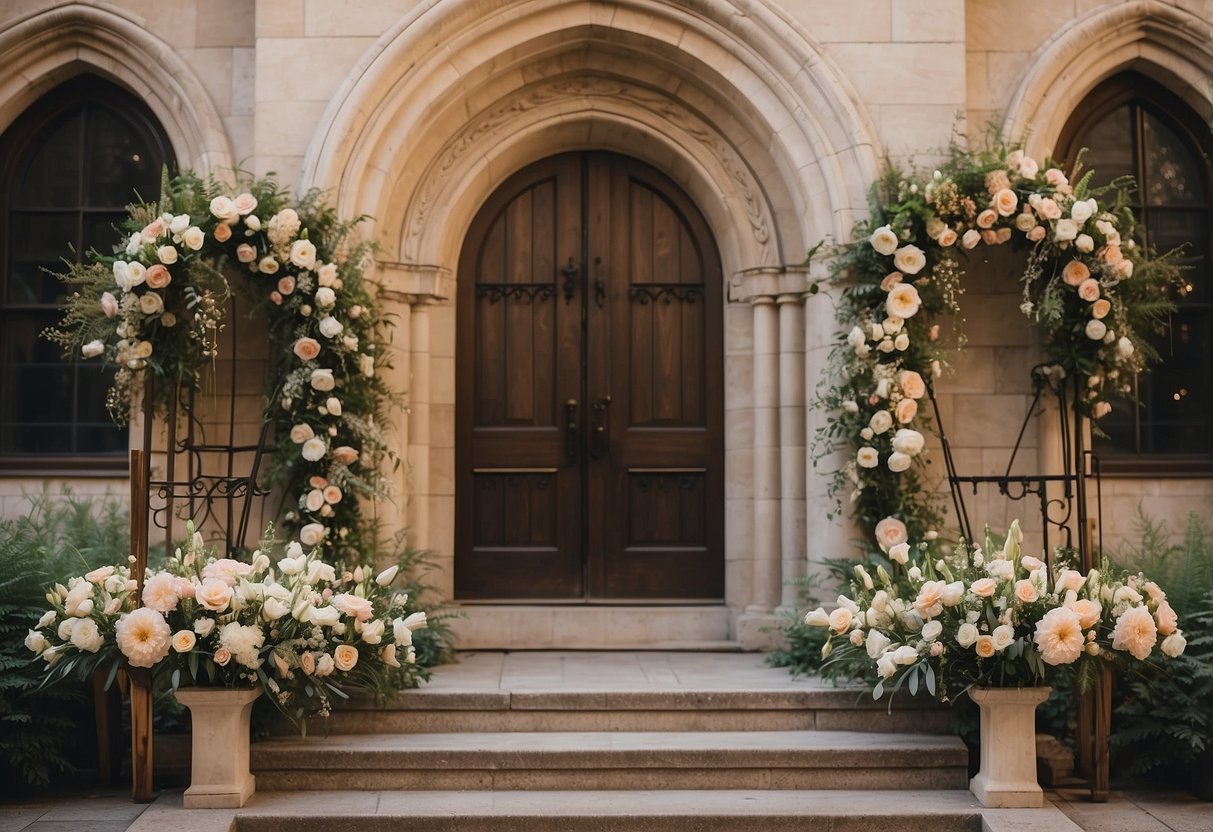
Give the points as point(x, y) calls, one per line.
point(324, 616)
point(366, 365)
point(885, 666)
point(167, 255)
point(1065, 230)
point(222, 208)
point(966, 634)
point(1124, 347)
point(179, 223)
point(903, 301)
point(877, 642)
point(325, 297)
point(333, 405)
point(899, 462)
point(902, 341)
point(303, 254)
point(47, 619)
point(193, 238)
point(907, 441)
point(1096, 329)
point(1174, 644)
point(330, 327)
point(326, 275)
point(1084, 243)
point(867, 457)
point(884, 240)
point(204, 626)
point(323, 380)
point(1004, 637)
point(372, 631)
point(856, 337)
point(905, 654)
point(311, 534)
point(37, 642)
point(971, 238)
point(931, 630)
point(92, 349)
point(1080, 211)
point(274, 608)
point(880, 422)
point(314, 449)
point(151, 303)
point(909, 259)
point(292, 566)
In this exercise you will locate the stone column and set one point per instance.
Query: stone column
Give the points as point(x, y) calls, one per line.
point(791, 447)
point(767, 524)
point(410, 290)
point(392, 513)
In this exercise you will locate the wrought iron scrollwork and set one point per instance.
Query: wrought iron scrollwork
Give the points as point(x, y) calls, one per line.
point(522, 292)
point(666, 293)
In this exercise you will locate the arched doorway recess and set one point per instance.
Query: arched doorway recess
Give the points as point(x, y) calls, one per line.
point(589, 424)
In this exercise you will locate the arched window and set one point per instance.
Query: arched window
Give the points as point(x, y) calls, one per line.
point(69, 166)
point(1132, 125)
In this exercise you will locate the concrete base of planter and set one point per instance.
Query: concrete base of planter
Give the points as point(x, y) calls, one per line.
point(1007, 779)
point(219, 761)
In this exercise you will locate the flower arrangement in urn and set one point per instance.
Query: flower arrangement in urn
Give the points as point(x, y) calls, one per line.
point(296, 628)
point(999, 618)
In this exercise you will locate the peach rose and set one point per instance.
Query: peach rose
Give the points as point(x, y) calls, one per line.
point(286, 285)
point(332, 494)
point(1111, 254)
point(890, 280)
point(947, 238)
point(1167, 619)
point(1088, 612)
point(1075, 273)
point(244, 204)
point(306, 348)
point(1088, 290)
point(345, 657)
point(1005, 203)
point(930, 599)
point(987, 218)
point(1048, 209)
point(984, 646)
point(1036, 234)
point(890, 531)
point(158, 276)
point(214, 594)
point(1025, 591)
point(344, 455)
point(911, 384)
point(984, 587)
point(989, 237)
point(907, 409)
point(222, 232)
point(246, 253)
point(840, 620)
point(1135, 632)
point(223, 656)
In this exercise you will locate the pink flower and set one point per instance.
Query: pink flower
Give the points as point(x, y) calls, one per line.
point(286, 285)
point(1025, 591)
point(158, 276)
point(984, 587)
point(344, 455)
point(307, 348)
point(988, 217)
point(350, 604)
point(1048, 209)
point(246, 253)
point(1088, 612)
point(907, 409)
point(1036, 234)
point(890, 531)
point(929, 602)
point(1167, 619)
point(276, 298)
point(947, 238)
point(1088, 290)
point(244, 204)
point(223, 233)
point(332, 494)
point(160, 592)
point(109, 305)
point(890, 280)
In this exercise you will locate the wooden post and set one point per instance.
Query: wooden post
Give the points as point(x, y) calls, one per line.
point(141, 681)
point(1102, 730)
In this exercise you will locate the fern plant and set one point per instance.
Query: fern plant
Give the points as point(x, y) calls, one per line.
point(60, 536)
point(1163, 718)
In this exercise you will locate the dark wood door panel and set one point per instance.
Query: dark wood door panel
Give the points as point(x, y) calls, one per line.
point(589, 416)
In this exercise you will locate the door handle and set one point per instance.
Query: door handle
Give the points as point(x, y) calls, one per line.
point(600, 427)
point(570, 430)
point(570, 272)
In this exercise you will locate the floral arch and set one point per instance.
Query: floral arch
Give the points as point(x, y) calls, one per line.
point(1086, 283)
point(155, 309)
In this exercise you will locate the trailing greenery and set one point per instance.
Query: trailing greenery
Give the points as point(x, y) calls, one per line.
point(1163, 717)
point(41, 730)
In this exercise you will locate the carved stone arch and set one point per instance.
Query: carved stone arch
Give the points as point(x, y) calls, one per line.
point(48, 47)
point(1169, 44)
point(778, 104)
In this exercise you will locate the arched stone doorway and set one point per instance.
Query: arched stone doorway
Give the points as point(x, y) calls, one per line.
point(589, 444)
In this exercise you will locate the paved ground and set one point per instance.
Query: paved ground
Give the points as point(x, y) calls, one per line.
point(1130, 810)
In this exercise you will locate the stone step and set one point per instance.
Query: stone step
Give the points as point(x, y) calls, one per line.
point(488, 626)
point(631, 811)
point(805, 709)
point(620, 760)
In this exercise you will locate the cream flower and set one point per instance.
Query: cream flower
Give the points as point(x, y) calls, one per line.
point(909, 259)
point(966, 634)
point(1096, 329)
point(867, 457)
point(314, 449)
point(303, 254)
point(898, 462)
point(904, 301)
point(880, 421)
point(160, 592)
point(884, 240)
point(889, 532)
point(350, 604)
point(92, 349)
point(143, 636)
point(345, 657)
point(814, 618)
point(1059, 636)
point(1135, 632)
point(86, 637)
point(184, 641)
point(1173, 645)
point(323, 380)
point(908, 441)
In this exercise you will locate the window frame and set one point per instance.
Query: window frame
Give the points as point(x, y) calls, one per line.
point(83, 91)
point(1143, 93)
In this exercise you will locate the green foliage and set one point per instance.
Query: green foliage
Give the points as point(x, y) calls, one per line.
point(1162, 720)
point(40, 729)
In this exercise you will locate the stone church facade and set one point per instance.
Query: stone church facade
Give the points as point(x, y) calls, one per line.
point(709, 142)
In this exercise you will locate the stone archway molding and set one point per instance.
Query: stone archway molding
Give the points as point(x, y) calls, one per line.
point(1169, 43)
point(795, 114)
point(48, 47)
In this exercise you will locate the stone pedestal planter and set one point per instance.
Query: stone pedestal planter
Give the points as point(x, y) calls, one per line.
point(1007, 778)
point(219, 762)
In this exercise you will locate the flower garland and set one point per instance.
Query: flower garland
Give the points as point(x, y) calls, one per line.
point(158, 307)
point(1086, 283)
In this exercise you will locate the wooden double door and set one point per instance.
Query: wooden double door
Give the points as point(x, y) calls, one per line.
point(589, 418)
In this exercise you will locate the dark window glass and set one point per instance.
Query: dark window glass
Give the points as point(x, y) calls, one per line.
point(69, 166)
point(1131, 125)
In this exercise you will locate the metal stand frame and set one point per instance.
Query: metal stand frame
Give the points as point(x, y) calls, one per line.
point(223, 497)
point(1080, 468)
